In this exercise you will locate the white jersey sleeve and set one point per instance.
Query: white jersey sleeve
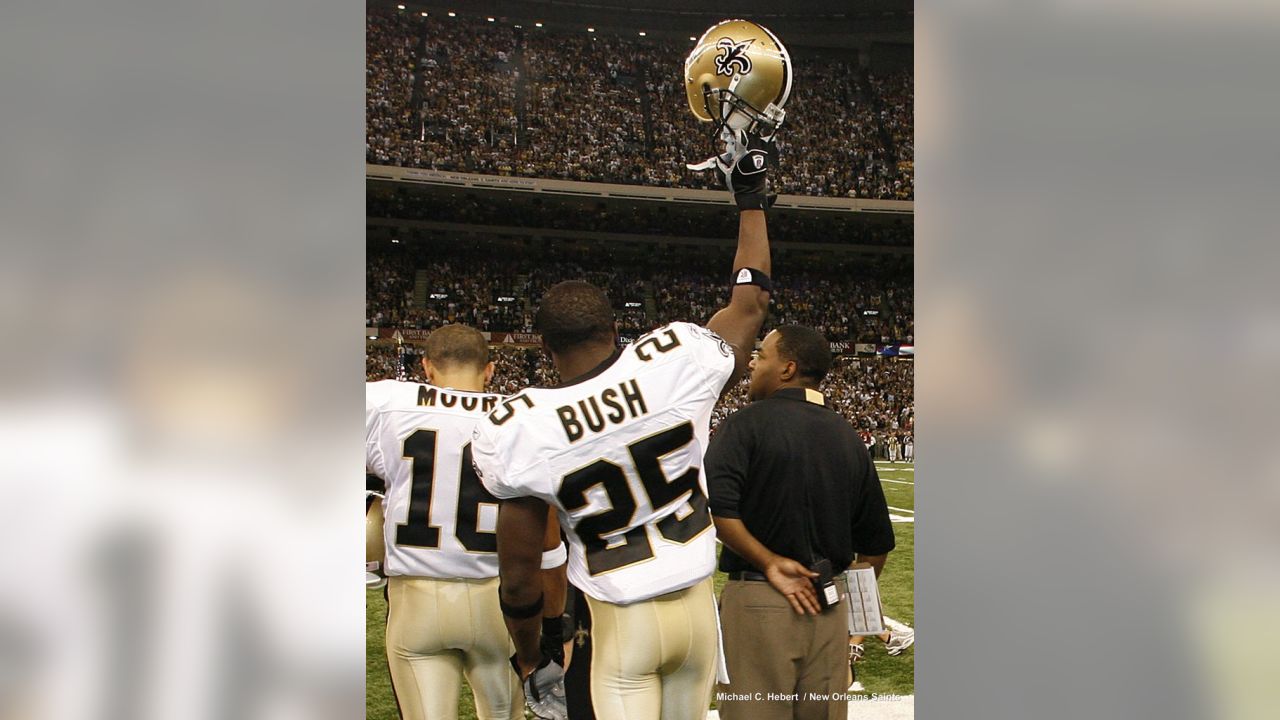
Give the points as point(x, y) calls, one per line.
point(713, 353)
point(490, 462)
point(440, 521)
point(377, 395)
point(619, 454)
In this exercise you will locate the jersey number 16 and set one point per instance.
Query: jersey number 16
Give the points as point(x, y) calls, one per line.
point(417, 530)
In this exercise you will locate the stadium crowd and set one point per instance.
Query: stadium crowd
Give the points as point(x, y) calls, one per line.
point(464, 94)
point(494, 287)
point(389, 83)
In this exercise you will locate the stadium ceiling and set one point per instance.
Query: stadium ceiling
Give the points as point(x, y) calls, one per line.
point(820, 23)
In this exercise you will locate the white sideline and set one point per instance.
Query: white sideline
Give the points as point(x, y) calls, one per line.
point(898, 482)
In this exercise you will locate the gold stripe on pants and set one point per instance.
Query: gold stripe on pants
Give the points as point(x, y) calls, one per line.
point(439, 631)
point(655, 658)
point(781, 665)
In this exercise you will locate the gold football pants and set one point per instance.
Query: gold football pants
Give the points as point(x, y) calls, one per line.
point(437, 632)
point(656, 658)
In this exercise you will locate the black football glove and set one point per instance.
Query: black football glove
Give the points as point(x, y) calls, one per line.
point(748, 177)
point(744, 165)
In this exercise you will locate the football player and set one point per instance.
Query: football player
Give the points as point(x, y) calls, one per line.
point(443, 620)
point(616, 450)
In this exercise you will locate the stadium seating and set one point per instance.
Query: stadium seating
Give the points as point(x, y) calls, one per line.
point(849, 298)
point(466, 95)
point(785, 226)
point(461, 94)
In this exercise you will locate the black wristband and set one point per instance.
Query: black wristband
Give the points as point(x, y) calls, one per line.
point(755, 201)
point(552, 641)
point(555, 627)
point(752, 276)
point(521, 612)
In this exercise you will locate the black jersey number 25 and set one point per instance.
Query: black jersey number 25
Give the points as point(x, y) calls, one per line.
point(417, 530)
point(608, 549)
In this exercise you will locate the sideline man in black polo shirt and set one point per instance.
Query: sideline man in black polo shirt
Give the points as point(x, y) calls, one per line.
point(790, 484)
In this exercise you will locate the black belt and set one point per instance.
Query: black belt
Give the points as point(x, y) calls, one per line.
point(748, 575)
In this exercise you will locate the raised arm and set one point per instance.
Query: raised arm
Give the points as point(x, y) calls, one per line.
point(740, 321)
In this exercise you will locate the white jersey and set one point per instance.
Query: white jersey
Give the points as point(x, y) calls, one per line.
point(619, 455)
point(440, 521)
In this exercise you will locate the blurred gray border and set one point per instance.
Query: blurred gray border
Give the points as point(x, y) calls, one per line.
point(183, 273)
point(1097, 354)
point(182, 277)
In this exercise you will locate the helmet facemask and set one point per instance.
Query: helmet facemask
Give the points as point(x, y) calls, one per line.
point(738, 114)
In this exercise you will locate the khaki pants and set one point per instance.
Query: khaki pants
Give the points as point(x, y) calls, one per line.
point(437, 632)
point(654, 659)
point(781, 665)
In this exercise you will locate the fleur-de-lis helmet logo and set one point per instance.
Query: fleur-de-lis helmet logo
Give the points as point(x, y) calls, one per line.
point(733, 56)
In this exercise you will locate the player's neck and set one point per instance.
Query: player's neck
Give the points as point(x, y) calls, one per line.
point(458, 381)
point(580, 361)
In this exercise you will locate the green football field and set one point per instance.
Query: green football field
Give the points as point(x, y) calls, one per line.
point(879, 673)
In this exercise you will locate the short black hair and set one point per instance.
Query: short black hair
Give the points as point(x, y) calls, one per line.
point(454, 345)
point(572, 313)
point(808, 349)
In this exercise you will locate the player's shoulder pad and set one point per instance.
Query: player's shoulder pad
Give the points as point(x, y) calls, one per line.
point(709, 336)
point(379, 393)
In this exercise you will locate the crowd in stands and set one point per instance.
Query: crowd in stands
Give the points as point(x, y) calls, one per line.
point(389, 288)
point(896, 115)
point(491, 287)
point(875, 394)
point(841, 308)
point(389, 82)
point(464, 94)
point(847, 297)
point(383, 362)
point(586, 114)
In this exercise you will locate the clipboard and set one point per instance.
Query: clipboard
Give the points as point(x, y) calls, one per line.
point(862, 600)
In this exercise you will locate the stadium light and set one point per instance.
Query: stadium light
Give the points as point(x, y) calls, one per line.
point(453, 14)
point(693, 38)
point(537, 24)
point(399, 7)
point(424, 14)
point(641, 33)
point(489, 19)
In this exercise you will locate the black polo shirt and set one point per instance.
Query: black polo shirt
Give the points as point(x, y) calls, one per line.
point(789, 456)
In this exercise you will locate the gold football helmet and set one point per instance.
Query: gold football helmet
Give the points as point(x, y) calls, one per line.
point(739, 76)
